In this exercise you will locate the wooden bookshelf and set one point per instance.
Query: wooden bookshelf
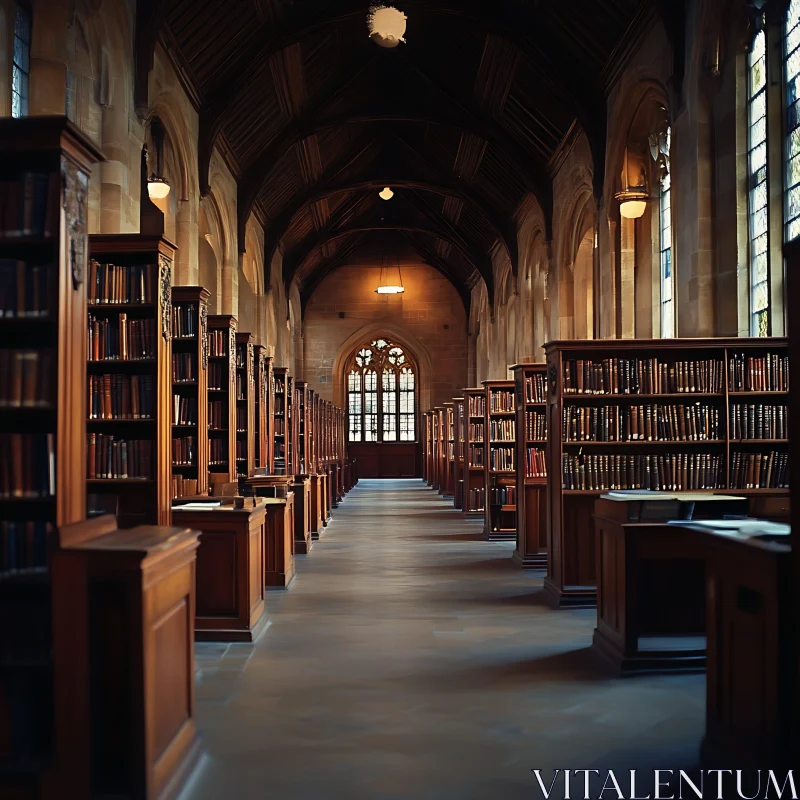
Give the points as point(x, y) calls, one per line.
point(500, 518)
point(129, 456)
point(303, 428)
point(448, 450)
point(317, 478)
point(475, 452)
point(222, 398)
point(43, 407)
point(264, 400)
point(633, 392)
point(282, 416)
point(245, 388)
point(427, 446)
point(458, 451)
point(189, 391)
point(530, 387)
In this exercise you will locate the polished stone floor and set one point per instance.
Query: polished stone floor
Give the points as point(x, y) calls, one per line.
point(411, 659)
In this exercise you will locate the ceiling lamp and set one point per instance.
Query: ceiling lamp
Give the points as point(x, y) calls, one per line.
point(632, 199)
point(387, 25)
point(157, 185)
point(391, 281)
point(386, 193)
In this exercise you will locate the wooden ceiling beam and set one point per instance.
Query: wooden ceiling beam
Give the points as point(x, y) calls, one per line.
point(150, 17)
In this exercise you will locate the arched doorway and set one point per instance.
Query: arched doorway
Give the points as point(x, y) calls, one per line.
point(382, 393)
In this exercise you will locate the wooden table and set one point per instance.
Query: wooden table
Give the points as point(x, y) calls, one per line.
point(301, 486)
point(279, 542)
point(230, 569)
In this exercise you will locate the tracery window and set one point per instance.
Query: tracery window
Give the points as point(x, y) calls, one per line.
point(21, 64)
point(381, 394)
point(757, 197)
point(791, 211)
point(665, 247)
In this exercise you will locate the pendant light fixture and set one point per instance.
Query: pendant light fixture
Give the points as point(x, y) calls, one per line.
point(386, 24)
point(157, 186)
point(386, 193)
point(632, 199)
point(391, 281)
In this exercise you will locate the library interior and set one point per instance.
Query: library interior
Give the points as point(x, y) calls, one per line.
point(395, 399)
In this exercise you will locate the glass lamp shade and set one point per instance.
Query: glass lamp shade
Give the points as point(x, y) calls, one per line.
point(632, 203)
point(157, 188)
point(386, 193)
point(386, 25)
point(389, 290)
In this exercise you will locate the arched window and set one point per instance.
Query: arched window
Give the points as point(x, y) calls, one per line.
point(665, 247)
point(381, 394)
point(791, 211)
point(21, 64)
point(758, 194)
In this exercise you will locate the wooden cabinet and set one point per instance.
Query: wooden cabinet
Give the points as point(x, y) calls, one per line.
point(475, 452)
point(230, 569)
point(245, 388)
point(500, 506)
point(279, 542)
point(459, 420)
point(263, 408)
point(301, 486)
point(222, 398)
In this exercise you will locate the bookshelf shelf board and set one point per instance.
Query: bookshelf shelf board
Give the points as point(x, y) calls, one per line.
point(502, 413)
point(218, 358)
point(535, 481)
point(183, 466)
point(123, 307)
point(217, 463)
point(504, 530)
point(121, 421)
point(536, 441)
point(758, 394)
point(121, 363)
point(502, 441)
point(217, 430)
point(530, 404)
point(568, 397)
point(758, 441)
point(184, 338)
point(184, 425)
point(501, 471)
point(178, 384)
point(505, 507)
point(473, 467)
point(656, 442)
point(122, 481)
point(219, 391)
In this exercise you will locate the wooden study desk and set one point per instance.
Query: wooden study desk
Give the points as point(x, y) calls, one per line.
point(230, 567)
point(651, 578)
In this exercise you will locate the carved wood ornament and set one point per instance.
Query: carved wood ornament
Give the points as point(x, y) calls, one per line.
point(75, 188)
point(165, 295)
point(204, 334)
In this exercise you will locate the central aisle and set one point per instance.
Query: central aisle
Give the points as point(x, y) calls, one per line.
point(411, 659)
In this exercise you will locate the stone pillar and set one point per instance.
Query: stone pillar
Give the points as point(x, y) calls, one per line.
point(48, 81)
point(627, 259)
point(230, 288)
point(187, 267)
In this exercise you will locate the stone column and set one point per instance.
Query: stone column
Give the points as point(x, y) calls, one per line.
point(187, 267)
point(48, 81)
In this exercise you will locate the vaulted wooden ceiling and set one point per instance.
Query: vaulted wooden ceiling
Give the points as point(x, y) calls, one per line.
point(462, 121)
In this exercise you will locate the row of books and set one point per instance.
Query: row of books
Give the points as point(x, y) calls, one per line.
point(476, 499)
point(217, 415)
point(501, 400)
point(241, 449)
point(217, 452)
point(241, 419)
point(535, 463)
point(23, 546)
point(29, 204)
point(184, 321)
point(218, 341)
point(24, 289)
point(184, 451)
point(241, 356)
point(122, 339)
point(121, 397)
point(183, 487)
point(110, 457)
point(535, 388)
point(476, 406)
point(280, 404)
point(767, 373)
point(476, 431)
point(669, 472)
point(502, 430)
point(759, 422)
point(27, 465)
point(760, 470)
point(535, 426)
point(642, 376)
point(184, 410)
point(184, 367)
point(217, 377)
point(503, 495)
point(119, 283)
point(280, 426)
point(501, 459)
point(661, 423)
point(241, 386)
point(26, 378)
point(476, 456)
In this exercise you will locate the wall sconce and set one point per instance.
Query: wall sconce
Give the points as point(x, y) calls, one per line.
point(386, 193)
point(633, 198)
point(157, 186)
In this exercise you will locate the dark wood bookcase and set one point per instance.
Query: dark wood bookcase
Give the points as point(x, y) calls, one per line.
point(282, 419)
point(670, 408)
point(245, 388)
point(189, 391)
point(222, 398)
point(500, 517)
point(475, 452)
point(264, 415)
point(458, 451)
point(449, 442)
point(129, 425)
point(303, 428)
point(427, 447)
point(43, 409)
point(530, 387)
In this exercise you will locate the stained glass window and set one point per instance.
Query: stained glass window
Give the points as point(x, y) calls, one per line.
point(21, 65)
point(758, 203)
point(381, 394)
point(667, 268)
point(792, 150)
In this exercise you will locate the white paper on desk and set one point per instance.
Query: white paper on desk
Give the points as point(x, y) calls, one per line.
point(196, 507)
point(744, 527)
